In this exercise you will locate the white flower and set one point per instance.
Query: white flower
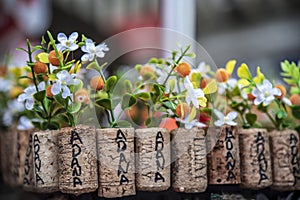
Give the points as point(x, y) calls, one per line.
point(230, 84)
point(91, 50)
point(265, 93)
point(67, 43)
point(193, 95)
point(228, 119)
point(188, 123)
point(286, 101)
point(5, 85)
point(13, 107)
point(28, 95)
point(24, 123)
point(64, 79)
point(202, 68)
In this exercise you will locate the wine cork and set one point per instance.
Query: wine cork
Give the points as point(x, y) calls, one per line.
point(285, 156)
point(116, 162)
point(77, 161)
point(6, 152)
point(28, 180)
point(45, 150)
point(152, 148)
point(223, 159)
point(189, 168)
point(256, 169)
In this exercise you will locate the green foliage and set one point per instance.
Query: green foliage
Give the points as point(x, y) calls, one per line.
point(128, 101)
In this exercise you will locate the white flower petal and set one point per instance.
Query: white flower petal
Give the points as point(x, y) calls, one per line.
point(65, 92)
point(73, 37)
point(231, 123)
point(61, 37)
point(56, 87)
point(232, 115)
point(276, 91)
point(219, 114)
point(29, 103)
point(219, 123)
point(22, 97)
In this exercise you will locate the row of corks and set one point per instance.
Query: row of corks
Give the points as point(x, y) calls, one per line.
point(118, 162)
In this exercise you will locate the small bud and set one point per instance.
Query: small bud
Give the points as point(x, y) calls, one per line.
point(40, 67)
point(97, 83)
point(222, 75)
point(53, 59)
point(183, 69)
point(182, 110)
point(147, 72)
point(204, 82)
point(282, 89)
point(295, 99)
point(48, 92)
point(251, 97)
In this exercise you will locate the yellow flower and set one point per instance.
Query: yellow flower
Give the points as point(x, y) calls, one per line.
point(243, 72)
point(43, 57)
point(230, 65)
point(211, 87)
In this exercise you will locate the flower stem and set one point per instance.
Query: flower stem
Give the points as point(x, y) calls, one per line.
point(272, 120)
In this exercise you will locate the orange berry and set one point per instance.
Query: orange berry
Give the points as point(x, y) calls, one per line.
point(3, 70)
point(48, 92)
point(222, 75)
point(204, 82)
point(97, 83)
point(53, 58)
point(251, 97)
point(295, 99)
point(182, 107)
point(40, 67)
point(82, 96)
point(282, 89)
point(183, 69)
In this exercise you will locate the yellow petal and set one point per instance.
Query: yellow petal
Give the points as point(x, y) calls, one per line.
point(260, 77)
point(230, 66)
point(211, 87)
point(196, 77)
point(243, 82)
point(192, 114)
point(243, 72)
point(202, 101)
point(52, 77)
point(43, 57)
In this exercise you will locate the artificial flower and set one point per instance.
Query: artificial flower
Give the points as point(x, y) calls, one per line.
point(190, 123)
point(194, 96)
point(24, 124)
point(202, 69)
point(91, 50)
point(265, 93)
point(228, 119)
point(66, 43)
point(64, 79)
point(28, 95)
point(13, 107)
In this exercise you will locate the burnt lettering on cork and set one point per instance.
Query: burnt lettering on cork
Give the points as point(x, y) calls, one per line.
point(295, 156)
point(37, 160)
point(262, 161)
point(76, 143)
point(121, 141)
point(26, 180)
point(230, 160)
point(160, 158)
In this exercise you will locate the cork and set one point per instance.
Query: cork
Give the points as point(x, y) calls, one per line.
point(6, 152)
point(77, 161)
point(116, 162)
point(223, 159)
point(153, 159)
point(285, 157)
point(189, 165)
point(45, 150)
point(256, 169)
point(28, 179)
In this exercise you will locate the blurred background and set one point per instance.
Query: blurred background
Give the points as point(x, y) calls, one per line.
point(259, 32)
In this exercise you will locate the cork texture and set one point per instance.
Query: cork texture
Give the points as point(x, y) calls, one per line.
point(28, 180)
point(285, 157)
point(45, 150)
point(6, 152)
point(77, 161)
point(189, 164)
point(223, 159)
point(116, 162)
point(256, 169)
point(152, 148)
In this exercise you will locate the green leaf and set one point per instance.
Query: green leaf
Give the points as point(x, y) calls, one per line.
point(105, 103)
point(39, 96)
point(153, 61)
point(143, 95)
point(123, 124)
point(296, 111)
point(171, 84)
point(128, 86)
point(127, 101)
point(74, 107)
point(21, 49)
point(110, 83)
point(94, 66)
point(281, 114)
point(169, 105)
point(191, 55)
point(77, 86)
point(58, 98)
point(251, 118)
